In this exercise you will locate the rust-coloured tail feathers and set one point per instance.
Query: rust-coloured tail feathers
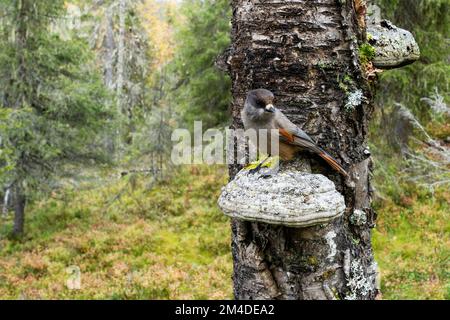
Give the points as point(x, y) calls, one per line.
point(333, 163)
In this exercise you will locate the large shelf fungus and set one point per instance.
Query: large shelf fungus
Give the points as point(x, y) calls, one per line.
point(290, 198)
point(394, 47)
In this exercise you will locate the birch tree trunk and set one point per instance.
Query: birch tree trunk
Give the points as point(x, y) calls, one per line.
point(306, 52)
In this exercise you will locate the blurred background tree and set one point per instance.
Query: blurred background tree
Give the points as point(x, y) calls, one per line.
point(53, 101)
point(116, 35)
point(412, 114)
point(202, 92)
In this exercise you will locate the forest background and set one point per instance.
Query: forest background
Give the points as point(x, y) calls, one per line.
point(90, 91)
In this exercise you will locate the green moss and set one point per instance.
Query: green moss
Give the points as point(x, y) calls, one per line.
point(327, 274)
point(366, 53)
point(346, 84)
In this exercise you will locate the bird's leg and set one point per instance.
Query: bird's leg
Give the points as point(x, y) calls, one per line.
point(269, 164)
point(258, 166)
point(271, 167)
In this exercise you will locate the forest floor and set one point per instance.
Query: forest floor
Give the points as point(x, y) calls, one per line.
point(131, 240)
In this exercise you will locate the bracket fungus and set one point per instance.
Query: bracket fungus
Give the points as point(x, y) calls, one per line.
point(394, 47)
point(290, 198)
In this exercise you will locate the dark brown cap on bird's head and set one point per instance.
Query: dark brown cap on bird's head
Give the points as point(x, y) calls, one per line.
point(261, 98)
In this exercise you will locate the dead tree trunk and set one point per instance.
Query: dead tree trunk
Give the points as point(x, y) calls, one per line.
point(306, 52)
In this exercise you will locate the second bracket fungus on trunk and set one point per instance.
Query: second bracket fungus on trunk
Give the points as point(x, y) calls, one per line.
point(290, 198)
point(394, 47)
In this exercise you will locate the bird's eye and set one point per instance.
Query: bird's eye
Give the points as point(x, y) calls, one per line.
point(261, 104)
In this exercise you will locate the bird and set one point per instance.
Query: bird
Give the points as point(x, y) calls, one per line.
point(259, 112)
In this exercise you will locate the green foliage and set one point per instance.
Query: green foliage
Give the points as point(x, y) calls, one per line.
point(203, 92)
point(6, 149)
point(52, 96)
point(411, 238)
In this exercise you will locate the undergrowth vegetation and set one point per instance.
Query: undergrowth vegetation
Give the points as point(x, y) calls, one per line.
point(411, 239)
point(129, 241)
point(132, 240)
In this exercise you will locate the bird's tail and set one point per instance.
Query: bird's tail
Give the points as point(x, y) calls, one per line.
point(332, 162)
point(312, 147)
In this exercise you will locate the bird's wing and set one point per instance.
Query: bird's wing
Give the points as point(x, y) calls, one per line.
point(293, 135)
point(290, 133)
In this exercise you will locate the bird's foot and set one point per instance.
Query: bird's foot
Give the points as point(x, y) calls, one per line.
point(266, 168)
point(271, 168)
point(253, 167)
point(254, 170)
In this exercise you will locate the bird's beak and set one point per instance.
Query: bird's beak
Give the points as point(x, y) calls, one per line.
point(270, 108)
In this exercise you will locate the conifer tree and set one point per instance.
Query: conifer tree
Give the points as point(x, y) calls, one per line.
point(52, 100)
point(203, 92)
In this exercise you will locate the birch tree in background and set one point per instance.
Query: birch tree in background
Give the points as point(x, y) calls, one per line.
point(121, 44)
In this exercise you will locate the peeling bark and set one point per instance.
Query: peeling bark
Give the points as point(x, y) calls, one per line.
point(302, 50)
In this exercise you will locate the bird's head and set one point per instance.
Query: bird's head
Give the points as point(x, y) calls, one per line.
point(260, 103)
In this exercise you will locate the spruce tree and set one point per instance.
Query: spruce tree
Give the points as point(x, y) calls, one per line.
point(52, 99)
point(203, 92)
